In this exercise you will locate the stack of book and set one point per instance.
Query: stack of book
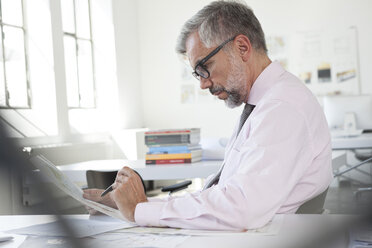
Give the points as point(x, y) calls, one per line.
point(173, 146)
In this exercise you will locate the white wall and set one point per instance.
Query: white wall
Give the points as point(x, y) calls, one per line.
point(106, 116)
point(159, 23)
point(161, 69)
point(125, 17)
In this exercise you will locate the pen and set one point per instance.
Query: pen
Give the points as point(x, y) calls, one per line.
point(106, 191)
point(110, 187)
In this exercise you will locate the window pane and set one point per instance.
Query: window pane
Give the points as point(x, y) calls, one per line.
point(71, 72)
point(12, 12)
point(2, 83)
point(86, 74)
point(15, 66)
point(68, 20)
point(82, 19)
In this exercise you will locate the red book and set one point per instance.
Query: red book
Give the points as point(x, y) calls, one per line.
point(172, 131)
point(168, 132)
point(168, 161)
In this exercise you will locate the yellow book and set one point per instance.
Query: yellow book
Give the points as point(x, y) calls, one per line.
point(168, 156)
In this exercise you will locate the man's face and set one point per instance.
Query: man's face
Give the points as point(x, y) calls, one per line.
point(227, 80)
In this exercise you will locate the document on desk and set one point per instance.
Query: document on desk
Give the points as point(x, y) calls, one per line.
point(270, 229)
point(361, 237)
point(49, 170)
point(79, 227)
point(14, 242)
point(132, 240)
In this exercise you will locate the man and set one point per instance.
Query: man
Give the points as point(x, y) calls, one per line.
point(279, 155)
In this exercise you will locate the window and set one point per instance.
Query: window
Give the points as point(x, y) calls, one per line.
point(78, 48)
point(14, 84)
point(42, 96)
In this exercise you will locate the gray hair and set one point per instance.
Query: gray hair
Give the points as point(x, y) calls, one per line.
point(221, 20)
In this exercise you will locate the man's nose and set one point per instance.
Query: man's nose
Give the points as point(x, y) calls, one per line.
point(205, 83)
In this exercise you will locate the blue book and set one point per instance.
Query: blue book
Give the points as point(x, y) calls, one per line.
point(172, 149)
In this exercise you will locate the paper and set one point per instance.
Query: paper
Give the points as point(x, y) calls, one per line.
point(65, 184)
point(50, 242)
point(117, 240)
point(327, 61)
point(213, 148)
point(270, 229)
point(128, 240)
point(16, 241)
point(79, 228)
point(5, 237)
point(361, 237)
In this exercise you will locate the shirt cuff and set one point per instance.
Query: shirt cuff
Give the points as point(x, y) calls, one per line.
point(148, 213)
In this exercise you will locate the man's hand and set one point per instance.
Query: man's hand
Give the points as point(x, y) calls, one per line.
point(95, 195)
point(128, 192)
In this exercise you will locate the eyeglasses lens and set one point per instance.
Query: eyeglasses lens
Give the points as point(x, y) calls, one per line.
point(201, 72)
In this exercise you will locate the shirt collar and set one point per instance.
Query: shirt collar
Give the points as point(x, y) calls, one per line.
point(264, 82)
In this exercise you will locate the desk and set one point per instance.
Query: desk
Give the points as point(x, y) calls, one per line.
point(296, 230)
point(76, 172)
point(359, 142)
point(363, 141)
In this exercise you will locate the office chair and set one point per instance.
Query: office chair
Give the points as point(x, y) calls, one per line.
point(366, 156)
point(313, 206)
point(100, 179)
point(103, 179)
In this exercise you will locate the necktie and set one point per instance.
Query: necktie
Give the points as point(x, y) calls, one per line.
point(248, 108)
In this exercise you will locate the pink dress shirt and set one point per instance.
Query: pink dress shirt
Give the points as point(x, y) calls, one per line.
point(280, 159)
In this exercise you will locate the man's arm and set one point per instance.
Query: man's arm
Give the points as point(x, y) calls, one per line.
point(265, 170)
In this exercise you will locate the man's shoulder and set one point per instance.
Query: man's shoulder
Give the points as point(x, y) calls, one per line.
point(291, 90)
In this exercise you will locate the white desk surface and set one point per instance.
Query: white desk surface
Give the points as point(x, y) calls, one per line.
point(77, 172)
point(202, 169)
point(295, 231)
point(345, 143)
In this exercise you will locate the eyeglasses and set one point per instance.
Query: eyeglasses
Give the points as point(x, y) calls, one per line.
point(200, 70)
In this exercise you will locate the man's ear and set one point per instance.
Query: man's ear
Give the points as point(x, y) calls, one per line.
point(243, 46)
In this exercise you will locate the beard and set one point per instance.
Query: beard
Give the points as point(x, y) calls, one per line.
point(236, 86)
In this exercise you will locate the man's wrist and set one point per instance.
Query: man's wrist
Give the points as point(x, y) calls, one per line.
point(148, 213)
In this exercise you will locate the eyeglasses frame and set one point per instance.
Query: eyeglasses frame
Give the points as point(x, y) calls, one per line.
point(206, 58)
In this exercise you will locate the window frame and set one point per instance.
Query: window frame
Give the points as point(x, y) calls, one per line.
point(90, 40)
point(28, 84)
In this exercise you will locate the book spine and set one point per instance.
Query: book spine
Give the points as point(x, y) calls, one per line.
point(168, 156)
point(174, 148)
point(168, 132)
point(169, 149)
point(169, 139)
point(171, 144)
point(169, 152)
point(173, 131)
point(168, 161)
